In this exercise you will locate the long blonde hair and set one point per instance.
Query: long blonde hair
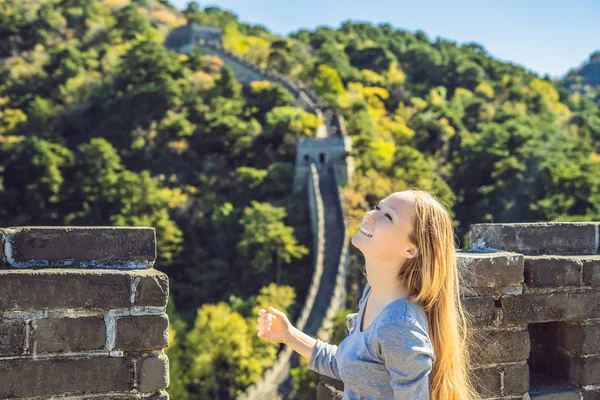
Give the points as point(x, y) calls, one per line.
point(434, 279)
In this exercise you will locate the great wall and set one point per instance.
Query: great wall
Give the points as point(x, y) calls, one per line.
point(74, 299)
point(322, 165)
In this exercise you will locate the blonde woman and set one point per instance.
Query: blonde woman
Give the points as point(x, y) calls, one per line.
point(408, 339)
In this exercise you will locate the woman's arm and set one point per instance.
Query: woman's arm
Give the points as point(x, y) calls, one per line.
point(300, 342)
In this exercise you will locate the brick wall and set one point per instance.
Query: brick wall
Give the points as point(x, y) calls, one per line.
point(82, 314)
point(533, 291)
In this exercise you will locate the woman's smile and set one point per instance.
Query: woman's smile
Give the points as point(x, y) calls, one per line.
point(365, 231)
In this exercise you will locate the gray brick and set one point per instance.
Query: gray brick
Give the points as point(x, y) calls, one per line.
point(482, 310)
point(53, 335)
point(12, 337)
point(546, 307)
point(537, 238)
point(552, 271)
point(499, 346)
point(152, 289)
point(153, 373)
point(87, 247)
point(591, 271)
point(44, 378)
point(490, 270)
point(61, 288)
point(136, 333)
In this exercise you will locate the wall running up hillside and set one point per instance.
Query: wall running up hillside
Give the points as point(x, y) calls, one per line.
point(321, 168)
point(82, 314)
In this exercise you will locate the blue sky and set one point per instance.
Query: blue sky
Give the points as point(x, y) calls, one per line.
point(547, 37)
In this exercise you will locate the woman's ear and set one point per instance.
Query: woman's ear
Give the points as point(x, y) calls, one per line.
point(413, 252)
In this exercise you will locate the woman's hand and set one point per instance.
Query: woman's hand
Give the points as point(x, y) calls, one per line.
point(273, 325)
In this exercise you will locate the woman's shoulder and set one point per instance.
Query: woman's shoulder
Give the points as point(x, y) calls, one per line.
point(404, 331)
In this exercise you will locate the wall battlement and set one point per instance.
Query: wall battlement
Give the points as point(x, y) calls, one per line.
point(533, 293)
point(82, 314)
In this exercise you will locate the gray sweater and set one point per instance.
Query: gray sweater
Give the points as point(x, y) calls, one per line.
point(391, 359)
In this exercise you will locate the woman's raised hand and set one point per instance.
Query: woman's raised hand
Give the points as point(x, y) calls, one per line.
point(273, 325)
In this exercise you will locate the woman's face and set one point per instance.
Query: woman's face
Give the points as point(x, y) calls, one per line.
point(385, 229)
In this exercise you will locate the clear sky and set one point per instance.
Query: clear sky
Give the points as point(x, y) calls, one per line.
point(544, 36)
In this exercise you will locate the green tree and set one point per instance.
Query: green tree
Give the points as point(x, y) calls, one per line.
point(266, 238)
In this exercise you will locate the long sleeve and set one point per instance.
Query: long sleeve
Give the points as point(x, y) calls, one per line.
point(408, 357)
point(323, 361)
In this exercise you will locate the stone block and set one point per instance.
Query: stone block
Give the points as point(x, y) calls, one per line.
point(590, 394)
point(12, 337)
point(153, 373)
point(499, 346)
point(552, 271)
point(137, 333)
point(516, 379)
point(161, 395)
point(152, 289)
point(41, 289)
point(490, 270)
point(502, 380)
point(591, 270)
point(537, 238)
point(547, 307)
point(55, 335)
point(78, 247)
point(46, 378)
point(482, 310)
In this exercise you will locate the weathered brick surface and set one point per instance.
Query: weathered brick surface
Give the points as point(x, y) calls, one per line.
point(552, 271)
point(591, 271)
point(70, 299)
point(40, 289)
point(63, 288)
point(30, 378)
point(482, 310)
point(12, 337)
point(490, 270)
point(54, 335)
point(537, 238)
point(152, 289)
point(575, 337)
point(547, 307)
point(516, 379)
point(150, 332)
point(591, 394)
point(161, 395)
point(499, 346)
point(153, 373)
point(502, 380)
point(88, 247)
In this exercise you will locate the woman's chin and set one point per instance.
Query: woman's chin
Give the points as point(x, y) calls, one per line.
point(358, 240)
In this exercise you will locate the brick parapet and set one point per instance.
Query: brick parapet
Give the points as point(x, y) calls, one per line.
point(82, 314)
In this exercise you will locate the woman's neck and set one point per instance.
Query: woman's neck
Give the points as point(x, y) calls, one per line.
point(384, 281)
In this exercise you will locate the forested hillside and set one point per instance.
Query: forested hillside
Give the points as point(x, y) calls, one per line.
point(585, 80)
point(100, 124)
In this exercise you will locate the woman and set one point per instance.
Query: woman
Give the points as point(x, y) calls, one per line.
point(409, 338)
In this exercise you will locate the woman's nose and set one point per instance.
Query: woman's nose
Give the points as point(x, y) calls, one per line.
point(369, 216)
